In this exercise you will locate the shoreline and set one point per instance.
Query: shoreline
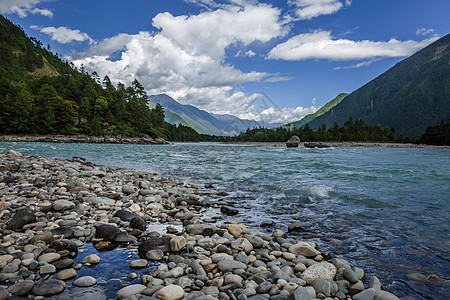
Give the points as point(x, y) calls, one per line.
point(63, 204)
point(344, 144)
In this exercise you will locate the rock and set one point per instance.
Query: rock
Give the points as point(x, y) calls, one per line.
point(46, 237)
point(171, 292)
point(4, 294)
point(49, 257)
point(11, 267)
point(296, 227)
point(304, 249)
point(228, 210)
point(156, 254)
point(242, 244)
point(91, 259)
point(350, 275)
point(320, 270)
point(14, 153)
point(384, 295)
point(300, 293)
point(325, 286)
point(49, 287)
point(63, 263)
point(177, 243)
point(129, 189)
point(207, 243)
point(103, 201)
point(200, 229)
point(174, 273)
point(267, 223)
point(21, 288)
point(21, 218)
point(316, 145)
point(232, 278)
point(130, 291)
point(184, 215)
point(65, 231)
point(356, 288)
point(155, 243)
point(66, 274)
point(107, 232)
point(138, 264)
point(124, 237)
point(60, 245)
point(85, 281)
point(368, 294)
point(138, 223)
point(293, 142)
point(125, 215)
point(229, 265)
point(375, 283)
point(59, 205)
point(47, 269)
point(235, 228)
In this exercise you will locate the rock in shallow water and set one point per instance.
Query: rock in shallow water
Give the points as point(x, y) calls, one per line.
point(130, 291)
point(85, 281)
point(49, 287)
point(91, 259)
point(106, 232)
point(21, 288)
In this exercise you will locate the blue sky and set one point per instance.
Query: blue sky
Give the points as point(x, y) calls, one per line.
point(273, 61)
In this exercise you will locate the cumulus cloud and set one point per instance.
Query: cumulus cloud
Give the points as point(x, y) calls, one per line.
point(278, 79)
point(64, 35)
point(23, 7)
point(321, 45)
point(279, 115)
point(184, 60)
point(308, 9)
point(426, 32)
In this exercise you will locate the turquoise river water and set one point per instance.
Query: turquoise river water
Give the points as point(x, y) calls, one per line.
point(386, 210)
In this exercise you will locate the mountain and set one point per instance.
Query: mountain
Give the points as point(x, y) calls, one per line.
point(321, 111)
point(200, 120)
point(409, 97)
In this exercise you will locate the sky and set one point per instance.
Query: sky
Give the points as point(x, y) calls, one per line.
point(270, 61)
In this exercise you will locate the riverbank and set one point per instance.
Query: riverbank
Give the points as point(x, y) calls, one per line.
point(345, 144)
point(80, 138)
point(51, 207)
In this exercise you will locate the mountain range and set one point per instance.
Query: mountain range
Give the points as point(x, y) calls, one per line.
point(409, 97)
point(201, 121)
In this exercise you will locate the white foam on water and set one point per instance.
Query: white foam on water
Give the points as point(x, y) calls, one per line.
point(320, 191)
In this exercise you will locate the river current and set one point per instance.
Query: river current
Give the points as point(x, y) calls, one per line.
point(386, 210)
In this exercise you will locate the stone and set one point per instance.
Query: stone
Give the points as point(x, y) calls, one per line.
point(267, 223)
point(91, 259)
point(125, 215)
point(21, 218)
point(124, 237)
point(46, 237)
point(229, 265)
point(138, 223)
point(138, 264)
point(177, 243)
point(156, 254)
point(200, 229)
point(242, 244)
point(375, 283)
point(174, 273)
point(304, 249)
point(130, 291)
point(368, 294)
point(293, 142)
point(229, 210)
point(207, 243)
point(14, 153)
point(63, 263)
point(300, 293)
point(106, 232)
point(320, 270)
point(11, 267)
point(60, 245)
point(47, 269)
point(356, 287)
point(235, 228)
point(85, 281)
point(4, 294)
point(257, 242)
point(296, 227)
point(162, 243)
point(129, 189)
point(316, 145)
point(350, 275)
point(65, 231)
point(21, 288)
point(384, 295)
point(103, 201)
point(49, 257)
point(59, 205)
point(171, 292)
point(66, 274)
point(325, 286)
point(231, 278)
point(49, 287)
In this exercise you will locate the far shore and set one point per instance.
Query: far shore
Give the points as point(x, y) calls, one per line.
point(148, 140)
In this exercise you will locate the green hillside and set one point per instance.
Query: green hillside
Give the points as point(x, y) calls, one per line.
point(321, 111)
point(409, 97)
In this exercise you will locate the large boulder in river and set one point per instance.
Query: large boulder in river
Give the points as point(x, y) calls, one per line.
point(107, 232)
point(21, 218)
point(293, 142)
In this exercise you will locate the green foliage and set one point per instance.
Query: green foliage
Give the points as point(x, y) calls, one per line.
point(437, 135)
point(350, 131)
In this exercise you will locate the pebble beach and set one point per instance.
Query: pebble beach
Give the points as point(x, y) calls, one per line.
point(50, 208)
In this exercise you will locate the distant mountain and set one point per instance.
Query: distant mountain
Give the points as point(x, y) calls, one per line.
point(321, 111)
point(200, 120)
point(409, 97)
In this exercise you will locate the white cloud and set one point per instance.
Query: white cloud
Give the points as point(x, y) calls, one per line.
point(186, 61)
point(308, 9)
point(426, 32)
point(249, 53)
point(64, 35)
point(278, 79)
point(321, 45)
point(23, 7)
point(358, 65)
point(278, 115)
